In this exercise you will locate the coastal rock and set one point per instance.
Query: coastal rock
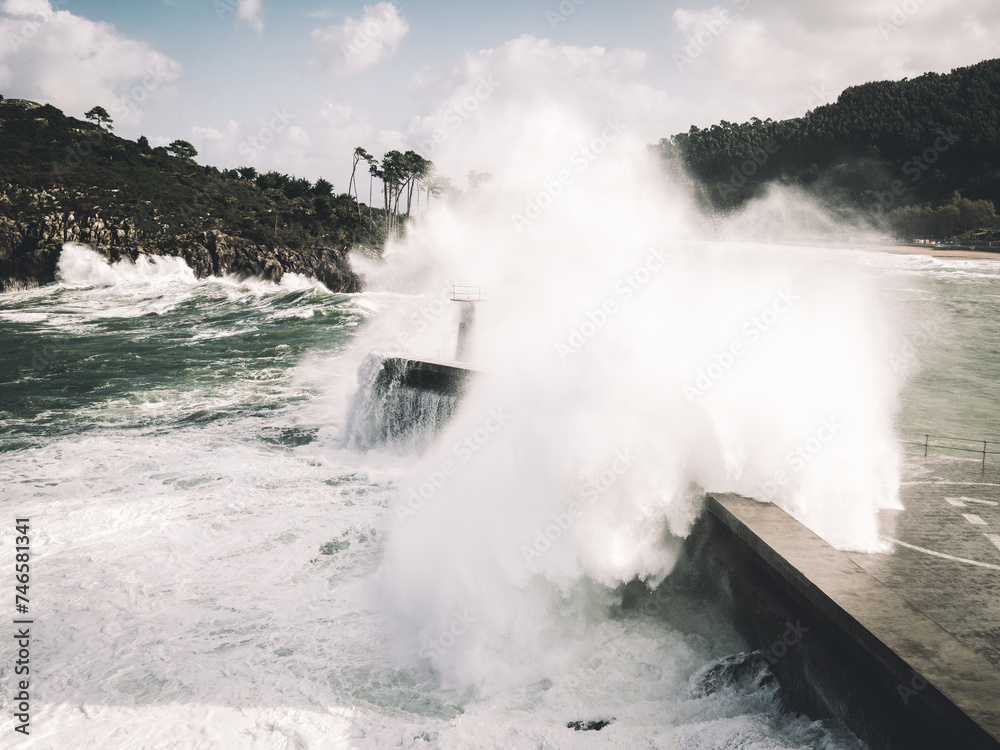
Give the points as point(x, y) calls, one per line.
point(29, 252)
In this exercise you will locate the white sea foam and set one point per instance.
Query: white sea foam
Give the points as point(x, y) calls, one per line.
point(290, 282)
point(79, 265)
point(24, 317)
point(201, 590)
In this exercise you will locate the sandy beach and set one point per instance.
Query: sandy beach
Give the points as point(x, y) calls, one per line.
point(935, 251)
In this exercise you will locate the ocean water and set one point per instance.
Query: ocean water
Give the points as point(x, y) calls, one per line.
point(218, 563)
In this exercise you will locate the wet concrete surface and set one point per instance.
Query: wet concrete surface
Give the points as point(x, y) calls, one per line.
point(952, 509)
point(923, 619)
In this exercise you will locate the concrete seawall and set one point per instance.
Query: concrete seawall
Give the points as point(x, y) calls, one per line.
point(440, 377)
point(845, 647)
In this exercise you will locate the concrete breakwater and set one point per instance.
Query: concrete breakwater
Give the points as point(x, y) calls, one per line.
point(844, 647)
point(403, 401)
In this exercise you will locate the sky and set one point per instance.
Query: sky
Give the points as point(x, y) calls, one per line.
point(296, 86)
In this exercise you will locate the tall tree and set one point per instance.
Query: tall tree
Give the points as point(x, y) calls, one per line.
point(477, 178)
point(438, 185)
point(322, 187)
point(417, 169)
point(359, 154)
point(100, 116)
point(182, 149)
point(394, 174)
point(375, 170)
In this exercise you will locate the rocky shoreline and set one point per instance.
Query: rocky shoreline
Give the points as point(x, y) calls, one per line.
point(29, 252)
point(65, 180)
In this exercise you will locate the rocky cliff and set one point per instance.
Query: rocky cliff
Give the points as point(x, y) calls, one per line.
point(66, 180)
point(29, 250)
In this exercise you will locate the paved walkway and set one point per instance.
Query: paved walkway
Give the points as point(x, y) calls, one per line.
point(946, 561)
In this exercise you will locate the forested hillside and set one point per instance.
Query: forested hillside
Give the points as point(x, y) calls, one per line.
point(63, 179)
point(921, 156)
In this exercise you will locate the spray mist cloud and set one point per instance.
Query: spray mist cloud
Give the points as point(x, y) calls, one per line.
point(644, 354)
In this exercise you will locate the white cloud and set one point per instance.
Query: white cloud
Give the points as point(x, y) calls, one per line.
point(59, 58)
point(355, 45)
point(423, 79)
point(776, 58)
point(201, 134)
point(40, 8)
point(561, 95)
point(250, 12)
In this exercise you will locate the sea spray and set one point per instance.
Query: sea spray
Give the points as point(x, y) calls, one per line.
point(789, 340)
point(79, 265)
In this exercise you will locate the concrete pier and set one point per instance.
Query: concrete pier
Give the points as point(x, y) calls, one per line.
point(891, 672)
point(440, 377)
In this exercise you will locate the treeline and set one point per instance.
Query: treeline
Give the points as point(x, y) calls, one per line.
point(401, 173)
point(80, 168)
point(953, 218)
point(895, 151)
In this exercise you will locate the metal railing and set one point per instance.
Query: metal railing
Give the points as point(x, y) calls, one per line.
point(948, 443)
point(468, 292)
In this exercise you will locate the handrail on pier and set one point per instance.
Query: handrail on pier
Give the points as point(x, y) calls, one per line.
point(927, 445)
point(468, 292)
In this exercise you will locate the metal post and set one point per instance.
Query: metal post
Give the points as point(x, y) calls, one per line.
point(468, 295)
point(984, 455)
point(466, 325)
point(927, 439)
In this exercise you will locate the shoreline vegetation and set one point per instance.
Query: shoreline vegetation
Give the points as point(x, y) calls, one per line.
point(918, 159)
point(66, 180)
